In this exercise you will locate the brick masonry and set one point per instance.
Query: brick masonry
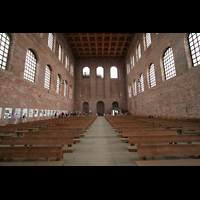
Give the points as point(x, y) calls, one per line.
point(179, 96)
point(17, 92)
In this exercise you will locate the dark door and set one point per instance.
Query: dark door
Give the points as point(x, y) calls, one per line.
point(100, 108)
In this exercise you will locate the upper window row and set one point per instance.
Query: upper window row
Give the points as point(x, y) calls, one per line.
point(194, 44)
point(100, 72)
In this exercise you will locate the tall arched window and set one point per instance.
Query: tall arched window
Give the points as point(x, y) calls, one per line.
point(168, 63)
point(152, 77)
point(133, 60)
point(113, 72)
point(86, 72)
point(70, 92)
point(66, 62)
point(148, 39)
point(141, 83)
point(139, 51)
point(47, 79)
point(58, 84)
point(100, 72)
point(135, 88)
point(60, 52)
point(129, 91)
point(65, 89)
point(50, 40)
point(30, 66)
point(194, 43)
point(4, 48)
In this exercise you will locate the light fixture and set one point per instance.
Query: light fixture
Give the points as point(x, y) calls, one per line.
point(63, 82)
point(138, 80)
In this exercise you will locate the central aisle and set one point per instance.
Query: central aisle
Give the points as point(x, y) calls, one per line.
point(100, 147)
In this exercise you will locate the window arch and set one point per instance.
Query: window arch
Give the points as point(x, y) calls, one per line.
point(147, 39)
point(138, 51)
point(100, 72)
point(141, 83)
point(30, 66)
point(135, 88)
point(47, 79)
point(113, 72)
point(58, 84)
point(50, 40)
point(65, 88)
point(168, 64)
point(133, 61)
point(86, 72)
point(60, 52)
point(194, 43)
point(4, 49)
point(152, 76)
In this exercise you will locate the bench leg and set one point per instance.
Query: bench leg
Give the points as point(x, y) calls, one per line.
point(47, 159)
point(143, 158)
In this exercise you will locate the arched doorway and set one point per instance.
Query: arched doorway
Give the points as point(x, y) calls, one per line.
point(85, 107)
point(100, 108)
point(115, 104)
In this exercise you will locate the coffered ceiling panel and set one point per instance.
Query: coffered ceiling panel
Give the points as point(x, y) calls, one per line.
point(98, 45)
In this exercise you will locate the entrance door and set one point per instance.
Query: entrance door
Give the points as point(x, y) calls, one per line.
point(100, 108)
point(85, 107)
point(115, 104)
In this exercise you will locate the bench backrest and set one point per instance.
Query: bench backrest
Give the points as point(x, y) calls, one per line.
point(50, 134)
point(31, 152)
point(38, 140)
point(163, 139)
point(148, 132)
point(168, 150)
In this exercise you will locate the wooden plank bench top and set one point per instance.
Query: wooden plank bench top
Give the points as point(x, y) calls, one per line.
point(52, 134)
point(31, 152)
point(52, 163)
point(181, 162)
point(7, 135)
point(168, 150)
point(148, 132)
point(37, 141)
point(163, 139)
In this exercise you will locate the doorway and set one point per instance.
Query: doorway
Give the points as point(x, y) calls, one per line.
point(86, 107)
point(100, 108)
point(115, 104)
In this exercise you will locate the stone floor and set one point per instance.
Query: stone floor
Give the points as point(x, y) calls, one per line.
point(100, 147)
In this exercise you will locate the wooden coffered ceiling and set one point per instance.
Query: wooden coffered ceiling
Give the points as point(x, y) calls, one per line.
point(98, 45)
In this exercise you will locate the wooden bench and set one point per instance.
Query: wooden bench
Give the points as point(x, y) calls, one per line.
point(46, 152)
point(160, 139)
point(153, 151)
point(181, 162)
point(35, 140)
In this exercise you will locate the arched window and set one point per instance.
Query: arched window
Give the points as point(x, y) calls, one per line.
point(141, 83)
point(47, 79)
point(4, 48)
point(129, 91)
point(60, 52)
point(148, 39)
point(86, 72)
point(100, 72)
point(30, 66)
point(50, 40)
point(113, 72)
point(58, 84)
point(65, 89)
point(66, 62)
point(71, 69)
point(139, 51)
point(128, 67)
point(168, 63)
point(152, 77)
point(133, 60)
point(70, 92)
point(194, 43)
point(135, 88)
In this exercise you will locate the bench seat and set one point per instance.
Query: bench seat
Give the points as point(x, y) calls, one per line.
point(181, 162)
point(132, 148)
point(68, 149)
point(52, 163)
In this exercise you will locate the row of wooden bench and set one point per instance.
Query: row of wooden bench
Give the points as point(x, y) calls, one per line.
point(149, 135)
point(62, 132)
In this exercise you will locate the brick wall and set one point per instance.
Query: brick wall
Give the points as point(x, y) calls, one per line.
point(178, 96)
point(17, 92)
point(93, 89)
